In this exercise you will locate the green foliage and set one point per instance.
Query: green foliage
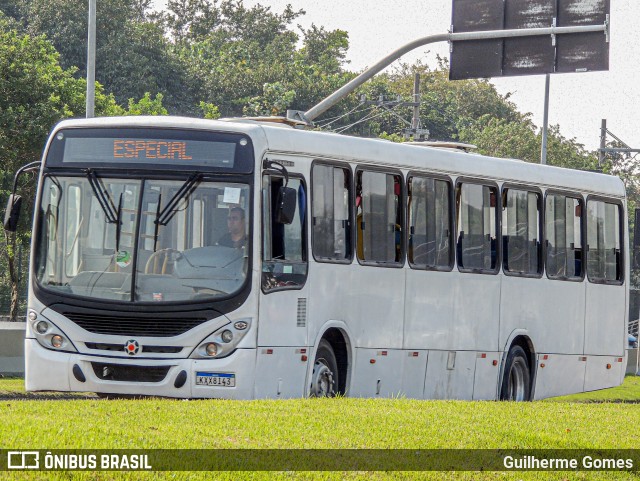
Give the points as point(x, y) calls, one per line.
point(274, 100)
point(132, 52)
point(209, 111)
point(35, 93)
point(147, 106)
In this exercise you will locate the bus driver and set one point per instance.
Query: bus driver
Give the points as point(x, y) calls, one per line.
point(236, 237)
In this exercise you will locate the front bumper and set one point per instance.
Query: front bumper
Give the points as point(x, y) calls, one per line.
point(48, 370)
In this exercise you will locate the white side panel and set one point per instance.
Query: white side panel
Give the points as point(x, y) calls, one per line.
point(558, 375)
point(279, 324)
point(485, 383)
point(414, 371)
point(551, 311)
point(281, 373)
point(603, 372)
point(379, 378)
point(476, 311)
point(429, 310)
point(605, 322)
point(450, 375)
point(452, 311)
point(370, 300)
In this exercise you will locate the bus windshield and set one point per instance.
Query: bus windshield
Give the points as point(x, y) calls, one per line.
point(142, 240)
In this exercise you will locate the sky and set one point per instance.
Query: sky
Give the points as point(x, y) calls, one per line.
point(578, 101)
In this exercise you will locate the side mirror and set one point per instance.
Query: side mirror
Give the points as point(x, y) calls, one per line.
point(12, 214)
point(286, 205)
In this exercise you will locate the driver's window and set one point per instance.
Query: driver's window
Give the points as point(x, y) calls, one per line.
point(284, 253)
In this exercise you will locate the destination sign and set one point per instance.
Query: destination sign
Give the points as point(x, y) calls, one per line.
point(151, 148)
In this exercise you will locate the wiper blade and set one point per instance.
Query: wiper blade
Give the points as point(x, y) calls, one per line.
point(111, 214)
point(104, 199)
point(164, 216)
point(118, 223)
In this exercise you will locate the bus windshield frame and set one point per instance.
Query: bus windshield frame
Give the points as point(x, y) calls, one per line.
point(142, 233)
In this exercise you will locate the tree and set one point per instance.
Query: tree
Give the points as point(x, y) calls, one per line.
point(35, 93)
point(133, 56)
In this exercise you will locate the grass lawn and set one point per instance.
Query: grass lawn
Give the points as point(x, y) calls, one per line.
point(601, 420)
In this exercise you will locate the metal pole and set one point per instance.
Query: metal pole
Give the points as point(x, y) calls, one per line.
point(91, 61)
point(415, 122)
point(545, 121)
point(603, 142)
point(346, 89)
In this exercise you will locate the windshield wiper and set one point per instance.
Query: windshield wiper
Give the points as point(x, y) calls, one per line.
point(111, 214)
point(164, 216)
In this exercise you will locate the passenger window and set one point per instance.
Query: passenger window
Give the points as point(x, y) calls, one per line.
point(477, 247)
point(430, 229)
point(521, 225)
point(564, 237)
point(284, 259)
point(604, 258)
point(379, 217)
point(331, 222)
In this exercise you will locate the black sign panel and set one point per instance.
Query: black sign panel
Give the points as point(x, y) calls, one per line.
point(481, 58)
point(528, 55)
point(582, 51)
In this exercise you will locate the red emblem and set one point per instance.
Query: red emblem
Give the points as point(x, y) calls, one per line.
point(132, 347)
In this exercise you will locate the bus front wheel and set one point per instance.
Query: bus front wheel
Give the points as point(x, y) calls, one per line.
point(324, 380)
point(516, 384)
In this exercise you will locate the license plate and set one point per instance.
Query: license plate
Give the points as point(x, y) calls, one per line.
point(221, 379)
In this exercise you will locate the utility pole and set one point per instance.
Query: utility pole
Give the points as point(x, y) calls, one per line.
point(415, 131)
point(603, 142)
point(415, 122)
point(91, 61)
point(603, 150)
point(545, 121)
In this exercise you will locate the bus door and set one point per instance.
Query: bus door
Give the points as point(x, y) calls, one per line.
point(282, 332)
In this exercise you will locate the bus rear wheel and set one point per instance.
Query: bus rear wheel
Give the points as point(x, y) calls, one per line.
point(516, 384)
point(324, 380)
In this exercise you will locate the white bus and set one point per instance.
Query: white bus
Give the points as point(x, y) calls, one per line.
point(358, 267)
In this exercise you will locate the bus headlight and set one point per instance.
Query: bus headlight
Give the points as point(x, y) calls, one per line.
point(42, 327)
point(222, 342)
point(211, 349)
point(48, 334)
point(227, 336)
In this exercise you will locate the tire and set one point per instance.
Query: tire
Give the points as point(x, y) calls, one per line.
point(516, 383)
point(324, 380)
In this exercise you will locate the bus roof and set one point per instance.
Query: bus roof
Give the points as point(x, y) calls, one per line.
point(285, 140)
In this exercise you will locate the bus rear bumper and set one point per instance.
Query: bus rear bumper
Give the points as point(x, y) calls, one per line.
point(48, 370)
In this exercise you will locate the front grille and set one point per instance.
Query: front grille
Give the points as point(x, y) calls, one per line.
point(101, 346)
point(132, 326)
point(126, 373)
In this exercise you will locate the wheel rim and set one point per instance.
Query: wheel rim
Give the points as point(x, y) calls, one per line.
point(322, 380)
point(517, 385)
